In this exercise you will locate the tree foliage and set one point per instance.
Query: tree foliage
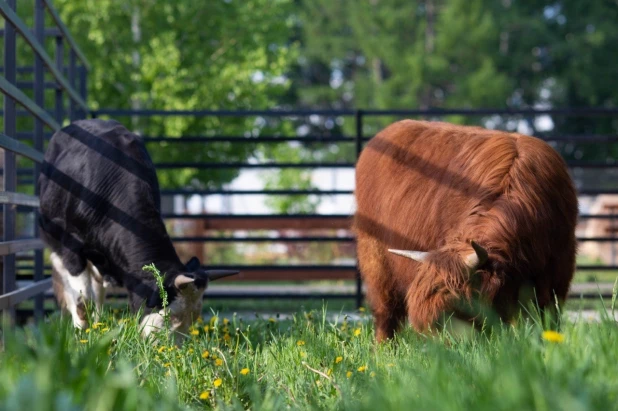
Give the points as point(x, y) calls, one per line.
point(414, 54)
point(185, 55)
point(352, 54)
point(460, 53)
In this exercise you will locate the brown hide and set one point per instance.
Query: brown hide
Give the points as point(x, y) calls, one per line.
point(435, 187)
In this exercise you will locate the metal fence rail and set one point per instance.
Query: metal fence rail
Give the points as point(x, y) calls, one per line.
point(11, 88)
point(359, 119)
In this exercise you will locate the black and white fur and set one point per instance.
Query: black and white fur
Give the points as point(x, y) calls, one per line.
point(101, 218)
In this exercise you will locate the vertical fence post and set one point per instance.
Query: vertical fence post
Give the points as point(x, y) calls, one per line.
point(72, 82)
point(359, 147)
point(39, 99)
point(83, 88)
point(59, 104)
point(10, 172)
point(612, 233)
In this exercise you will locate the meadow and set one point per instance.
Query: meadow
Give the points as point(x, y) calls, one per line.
point(315, 359)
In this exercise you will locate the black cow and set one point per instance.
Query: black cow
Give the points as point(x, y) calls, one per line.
point(101, 218)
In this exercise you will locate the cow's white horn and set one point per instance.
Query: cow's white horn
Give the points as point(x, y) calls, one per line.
point(414, 255)
point(182, 280)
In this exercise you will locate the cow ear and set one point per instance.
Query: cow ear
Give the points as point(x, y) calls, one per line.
point(193, 264)
point(201, 279)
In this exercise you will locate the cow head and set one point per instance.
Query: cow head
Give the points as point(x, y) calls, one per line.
point(185, 291)
point(448, 280)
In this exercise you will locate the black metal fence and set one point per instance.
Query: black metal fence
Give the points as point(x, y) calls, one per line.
point(359, 121)
point(594, 176)
point(25, 87)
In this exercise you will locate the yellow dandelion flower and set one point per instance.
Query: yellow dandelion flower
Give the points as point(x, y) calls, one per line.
point(83, 341)
point(161, 349)
point(348, 374)
point(226, 321)
point(362, 368)
point(271, 319)
point(97, 325)
point(171, 348)
point(204, 395)
point(206, 328)
point(88, 330)
point(167, 364)
point(338, 359)
point(361, 309)
point(329, 372)
point(190, 350)
point(553, 336)
point(300, 342)
point(104, 330)
point(194, 332)
point(244, 371)
point(213, 320)
point(200, 320)
point(217, 383)
point(219, 362)
point(357, 332)
point(205, 354)
point(226, 337)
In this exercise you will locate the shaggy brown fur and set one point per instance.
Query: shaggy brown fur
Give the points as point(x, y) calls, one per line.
point(436, 187)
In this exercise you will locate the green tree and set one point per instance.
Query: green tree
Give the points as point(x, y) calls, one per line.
point(459, 53)
point(468, 53)
point(405, 54)
point(185, 55)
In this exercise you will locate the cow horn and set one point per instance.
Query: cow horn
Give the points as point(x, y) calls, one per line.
point(478, 257)
point(218, 274)
point(414, 255)
point(182, 280)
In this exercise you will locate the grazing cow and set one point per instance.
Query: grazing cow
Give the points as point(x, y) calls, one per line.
point(101, 218)
point(450, 215)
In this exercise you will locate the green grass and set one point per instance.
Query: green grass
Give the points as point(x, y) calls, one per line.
point(308, 362)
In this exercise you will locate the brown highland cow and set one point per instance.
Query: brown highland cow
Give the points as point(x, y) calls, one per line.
point(446, 214)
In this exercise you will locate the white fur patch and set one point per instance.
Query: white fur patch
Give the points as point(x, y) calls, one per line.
point(183, 311)
point(152, 323)
point(98, 287)
point(87, 284)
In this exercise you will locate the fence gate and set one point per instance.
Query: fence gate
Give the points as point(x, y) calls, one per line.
point(28, 90)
